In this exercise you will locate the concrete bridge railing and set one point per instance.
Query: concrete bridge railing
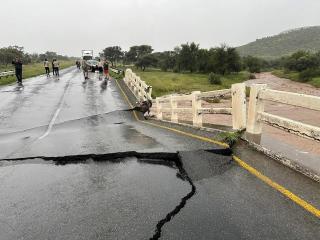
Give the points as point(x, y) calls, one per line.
point(252, 121)
point(139, 88)
point(6, 73)
point(256, 115)
point(238, 107)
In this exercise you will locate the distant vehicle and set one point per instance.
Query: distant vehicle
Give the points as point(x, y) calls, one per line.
point(87, 54)
point(93, 65)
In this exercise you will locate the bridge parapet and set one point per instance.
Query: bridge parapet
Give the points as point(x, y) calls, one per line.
point(139, 88)
point(238, 106)
point(256, 114)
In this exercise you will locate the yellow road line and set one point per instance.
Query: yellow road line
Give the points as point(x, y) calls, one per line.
point(307, 206)
point(278, 187)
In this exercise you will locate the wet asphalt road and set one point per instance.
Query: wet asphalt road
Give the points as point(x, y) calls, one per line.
point(127, 198)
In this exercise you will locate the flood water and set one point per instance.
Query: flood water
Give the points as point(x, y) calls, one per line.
point(91, 200)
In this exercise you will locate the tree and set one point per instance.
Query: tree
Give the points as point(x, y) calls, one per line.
point(203, 60)
point(187, 57)
point(7, 54)
point(224, 60)
point(146, 61)
point(113, 54)
point(137, 52)
point(301, 60)
point(253, 64)
point(167, 60)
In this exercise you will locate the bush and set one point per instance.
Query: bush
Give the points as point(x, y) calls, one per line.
point(253, 64)
point(215, 79)
point(252, 76)
point(176, 70)
point(301, 61)
point(308, 74)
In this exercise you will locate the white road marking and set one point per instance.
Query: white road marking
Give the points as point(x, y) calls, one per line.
point(56, 114)
point(51, 124)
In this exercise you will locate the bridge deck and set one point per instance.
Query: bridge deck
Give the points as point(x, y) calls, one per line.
point(127, 198)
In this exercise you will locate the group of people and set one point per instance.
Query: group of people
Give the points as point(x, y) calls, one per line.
point(103, 68)
point(55, 67)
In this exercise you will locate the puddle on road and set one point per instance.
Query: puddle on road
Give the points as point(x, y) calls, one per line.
point(124, 199)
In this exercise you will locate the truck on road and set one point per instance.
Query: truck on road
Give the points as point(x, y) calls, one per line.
point(87, 54)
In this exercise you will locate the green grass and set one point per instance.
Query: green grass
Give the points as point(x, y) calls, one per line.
point(295, 77)
point(164, 83)
point(286, 74)
point(230, 138)
point(315, 82)
point(30, 70)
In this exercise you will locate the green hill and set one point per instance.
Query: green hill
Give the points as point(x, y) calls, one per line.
point(285, 43)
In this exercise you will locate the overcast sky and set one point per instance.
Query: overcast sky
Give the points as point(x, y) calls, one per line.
point(68, 26)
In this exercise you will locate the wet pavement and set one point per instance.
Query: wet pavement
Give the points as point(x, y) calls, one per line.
point(93, 200)
point(103, 175)
point(67, 117)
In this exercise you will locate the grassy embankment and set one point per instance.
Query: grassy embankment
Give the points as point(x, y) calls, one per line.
point(30, 70)
point(295, 76)
point(164, 83)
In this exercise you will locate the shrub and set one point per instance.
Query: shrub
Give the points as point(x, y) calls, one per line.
point(301, 61)
point(215, 78)
point(176, 70)
point(253, 64)
point(308, 74)
point(252, 76)
point(231, 138)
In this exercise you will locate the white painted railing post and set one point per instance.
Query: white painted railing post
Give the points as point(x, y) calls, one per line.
point(256, 105)
point(196, 104)
point(173, 105)
point(159, 111)
point(149, 92)
point(239, 110)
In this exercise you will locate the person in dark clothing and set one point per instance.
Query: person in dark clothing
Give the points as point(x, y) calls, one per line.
point(52, 64)
point(18, 70)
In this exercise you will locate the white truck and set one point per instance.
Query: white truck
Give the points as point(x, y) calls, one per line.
point(87, 54)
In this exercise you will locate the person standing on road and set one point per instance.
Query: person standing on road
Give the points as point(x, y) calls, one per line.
point(106, 70)
point(85, 68)
point(100, 69)
point(52, 65)
point(46, 66)
point(56, 66)
point(18, 70)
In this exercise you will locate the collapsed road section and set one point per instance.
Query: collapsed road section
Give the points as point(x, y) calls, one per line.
point(199, 194)
point(92, 196)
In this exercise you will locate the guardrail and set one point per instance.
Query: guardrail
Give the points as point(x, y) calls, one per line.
point(257, 116)
point(139, 88)
point(6, 73)
point(237, 110)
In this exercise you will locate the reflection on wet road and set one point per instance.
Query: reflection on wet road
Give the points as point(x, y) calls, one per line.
point(67, 117)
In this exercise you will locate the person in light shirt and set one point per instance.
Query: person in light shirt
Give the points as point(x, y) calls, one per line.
point(46, 66)
point(56, 66)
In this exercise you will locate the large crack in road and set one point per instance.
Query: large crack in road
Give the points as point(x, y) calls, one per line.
point(174, 160)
